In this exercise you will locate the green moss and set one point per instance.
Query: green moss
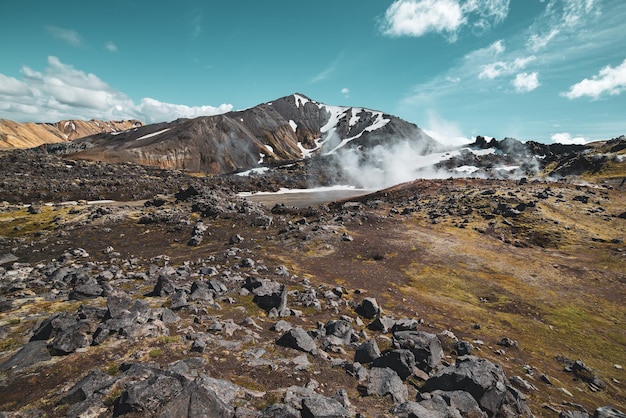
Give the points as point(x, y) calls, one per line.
point(157, 352)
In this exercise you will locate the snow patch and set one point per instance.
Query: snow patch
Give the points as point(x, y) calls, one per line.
point(269, 148)
point(293, 125)
point(300, 100)
point(258, 170)
point(354, 118)
point(283, 190)
point(152, 134)
point(261, 156)
point(467, 169)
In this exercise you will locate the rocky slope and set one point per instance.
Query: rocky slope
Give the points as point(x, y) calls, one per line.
point(286, 129)
point(14, 135)
point(455, 297)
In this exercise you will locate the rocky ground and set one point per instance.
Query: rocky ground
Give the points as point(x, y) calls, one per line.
point(458, 297)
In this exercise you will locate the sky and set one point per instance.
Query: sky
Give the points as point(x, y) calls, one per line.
point(544, 70)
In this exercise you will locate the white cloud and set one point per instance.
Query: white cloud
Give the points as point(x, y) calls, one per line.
point(537, 42)
point(416, 18)
point(63, 92)
point(10, 86)
point(499, 68)
point(564, 18)
point(566, 139)
point(419, 17)
point(346, 92)
point(526, 82)
point(110, 46)
point(156, 111)
point(67, 35)
point(609, 80)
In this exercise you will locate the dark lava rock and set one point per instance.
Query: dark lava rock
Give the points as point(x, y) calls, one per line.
point(425, 347)
point(384, 381)
point(31, 353)
point(338, 332)
point(368, 308)
point(196, 400)
point(608, 412)
point(486, 382)
point(148, 395)
point(94, 381)
point(279, 411)
point(323, 407)
point(400, 361)
point(463, 348)
point(367, 352)
point(382, 324)
point(299, 339)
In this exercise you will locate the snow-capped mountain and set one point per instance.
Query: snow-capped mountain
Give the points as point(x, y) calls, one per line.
point(289, 128)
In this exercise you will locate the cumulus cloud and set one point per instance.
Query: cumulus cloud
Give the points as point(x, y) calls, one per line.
point(610, 80)
point(346, 92)
point(526, 82)
point(110, 46)
point(567, 139)
point(64, 92)
point(419, 17)
point(67, 35)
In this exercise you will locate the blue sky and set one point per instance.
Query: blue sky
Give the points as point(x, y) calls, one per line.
point(546, 70)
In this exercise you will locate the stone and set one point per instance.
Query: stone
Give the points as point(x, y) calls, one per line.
point(31, 353)
point(281, 326)
point(608, 412)
point(179, 300)
point(71, 339)
point(323, 407)
point(401, 361)
point(95, 380)
point(85, 291)
point(271, 295)
point(463, 348)
point(338, 332)
point(382, 324)
point(196, 400)
point(573, 414)
point(425, 347)
point(298, 339)
point(485, 381)
point(7, 258)
point(49, 328)
point(148, 395)
point(367, 352)
point(279, 411)
point(384, 381)
point(368, 308)
point(164, 286)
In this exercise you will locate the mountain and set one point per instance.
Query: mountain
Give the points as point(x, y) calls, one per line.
point(289, 128)
point(27, 135)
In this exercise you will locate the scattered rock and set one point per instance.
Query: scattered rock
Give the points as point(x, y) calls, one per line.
point(368, 308)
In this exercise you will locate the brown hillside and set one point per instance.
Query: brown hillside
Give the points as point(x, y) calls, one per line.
point(28, 135)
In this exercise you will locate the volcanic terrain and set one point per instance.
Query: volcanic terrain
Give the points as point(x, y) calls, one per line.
point(495, 290)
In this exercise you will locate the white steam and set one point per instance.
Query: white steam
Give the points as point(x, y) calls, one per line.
point(386, 165)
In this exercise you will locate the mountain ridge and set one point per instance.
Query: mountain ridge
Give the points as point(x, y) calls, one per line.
point(16, 135)
point(288, 128)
